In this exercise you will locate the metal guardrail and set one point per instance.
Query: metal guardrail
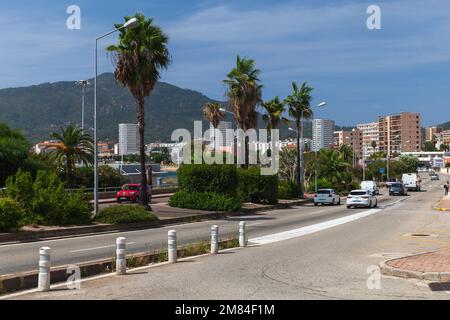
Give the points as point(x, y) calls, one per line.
point(116, 189)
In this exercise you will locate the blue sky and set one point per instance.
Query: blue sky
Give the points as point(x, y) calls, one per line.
point(361, 73)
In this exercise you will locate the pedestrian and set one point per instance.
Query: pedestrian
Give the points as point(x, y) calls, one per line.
point(446, 186)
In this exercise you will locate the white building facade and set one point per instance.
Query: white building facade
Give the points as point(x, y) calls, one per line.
point(323, 134)
point(369, 135)
point(128, 138)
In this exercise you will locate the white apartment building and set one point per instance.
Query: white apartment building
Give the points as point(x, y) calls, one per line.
point(220, 130)
point(323, 134)
point(369, 133)
point(128, 138)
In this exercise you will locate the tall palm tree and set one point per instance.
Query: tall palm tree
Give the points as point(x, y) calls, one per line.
point(244, 92)
point(72, 147)
point(299, 103)
point(274, 110)
point(213, 114)
point(139, 57)
point(346, 152)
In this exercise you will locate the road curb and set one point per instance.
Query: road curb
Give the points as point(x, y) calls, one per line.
point(31, 236)
point(29, 280)
point(388, 270)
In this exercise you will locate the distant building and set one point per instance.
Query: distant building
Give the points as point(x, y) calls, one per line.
point(369, 137)
point(105, 150)
point(432, 131)
point(399, 133)
point(128, 138)
point(46, 146)
point(352, 138)
point(322, 131)
point(445, 136)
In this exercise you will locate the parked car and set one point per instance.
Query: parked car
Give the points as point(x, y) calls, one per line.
point(131, 192)
point(411, 181)
point(370, 186)
point(422, 169)
point(397, 189)
point(361, 198)
point(327, 196)
point(434, 176)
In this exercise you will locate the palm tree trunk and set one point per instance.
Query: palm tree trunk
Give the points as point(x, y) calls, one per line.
point(141, 124)
point(297, 123)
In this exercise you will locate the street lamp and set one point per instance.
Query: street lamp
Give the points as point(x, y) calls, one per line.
point(129, 24)
point(388, 155)
point(302, 164)
point(84, 84)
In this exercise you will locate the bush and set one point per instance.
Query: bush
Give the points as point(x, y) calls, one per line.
point(257, 188)
point(288, 190)
point(322, 183)
point(11, 214)
point(118, 214)
point(216, 178)
point(205, 201)
point(45, 201)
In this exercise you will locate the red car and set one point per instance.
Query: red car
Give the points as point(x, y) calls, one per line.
point(132, 192)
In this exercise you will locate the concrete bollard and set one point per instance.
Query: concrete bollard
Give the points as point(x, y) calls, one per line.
point(44, 269)
point(121, 251)
point(242, 235)
point(214, 239)
point(172, 246)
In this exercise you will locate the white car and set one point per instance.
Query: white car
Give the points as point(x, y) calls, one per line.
point(327, 196)
point(361, 198)
point(370, 186)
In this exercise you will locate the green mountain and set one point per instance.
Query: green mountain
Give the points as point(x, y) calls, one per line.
point(41, 109)
point(444, 126)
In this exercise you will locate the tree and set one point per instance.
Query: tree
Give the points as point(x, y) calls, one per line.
point(429, 146)
point(333, 167)
point(299, 103)
point(213, 114)
point(288, 162)
point(13, 152)
point(139, 57)
point(347, 153)
point(72, 147)
point(244, 92)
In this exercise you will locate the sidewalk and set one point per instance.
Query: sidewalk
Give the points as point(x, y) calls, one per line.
point(444, 204)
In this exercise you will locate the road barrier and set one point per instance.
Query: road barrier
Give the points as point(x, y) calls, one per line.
point(44, 269)
point(242, 236)
point(172, 246)
point(214, 239)
point(121, 251)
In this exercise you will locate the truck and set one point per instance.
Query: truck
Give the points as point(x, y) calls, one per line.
point(411, 181)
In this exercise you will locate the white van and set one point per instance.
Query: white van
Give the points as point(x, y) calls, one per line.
point(370, 186)
point(411, 181)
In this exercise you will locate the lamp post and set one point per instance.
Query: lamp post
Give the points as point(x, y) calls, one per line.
point(302, 162)
point(129, 24)
point(84, 84)
point(388, 155)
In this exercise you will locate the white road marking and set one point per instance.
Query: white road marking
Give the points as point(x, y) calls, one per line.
point(290, 234)
point(97, 248)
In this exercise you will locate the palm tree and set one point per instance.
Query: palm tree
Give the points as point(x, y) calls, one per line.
point(139, 57)
point(333, 166)
point(72, 147)
point(213, 114)
point(347, 152)
point(299, 103)
point(244, 92)
point(274, 110)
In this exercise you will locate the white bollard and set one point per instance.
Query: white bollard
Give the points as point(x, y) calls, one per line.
point(242, 235)
point(214, 239)
point(44, 269)
point(172, 246)
point(121, 252)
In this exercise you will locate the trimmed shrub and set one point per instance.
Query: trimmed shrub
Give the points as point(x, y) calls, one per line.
point(11, 214)
point(288, 190)
point(216, 178)
point(205, 201)
point(321, 184)
point(257, 188)
point(118, 214)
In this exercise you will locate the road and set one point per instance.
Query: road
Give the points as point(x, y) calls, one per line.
point(322, 264)
point(24, 256)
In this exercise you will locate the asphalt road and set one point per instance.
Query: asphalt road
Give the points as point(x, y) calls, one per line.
point(325, 264)
point(24, 257)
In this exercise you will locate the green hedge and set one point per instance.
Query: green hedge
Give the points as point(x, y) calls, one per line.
point(216, 178)
point(288, 190)
point(321, 184)
point(257, 188)
point(205, 201)
point(11, 215)
point(122, 214)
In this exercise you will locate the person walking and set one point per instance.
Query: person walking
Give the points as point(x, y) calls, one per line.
point(446, 186)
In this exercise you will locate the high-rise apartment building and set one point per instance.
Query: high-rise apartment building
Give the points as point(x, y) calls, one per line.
point(369, 137)
point(399, 133)
point(430, 132)
point(351, 138)
point(322, 131)
point(128, 138)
